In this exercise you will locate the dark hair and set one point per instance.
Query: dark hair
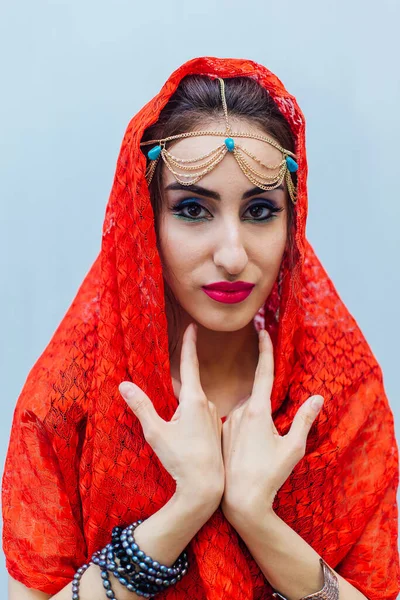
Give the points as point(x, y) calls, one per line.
point(198, 100)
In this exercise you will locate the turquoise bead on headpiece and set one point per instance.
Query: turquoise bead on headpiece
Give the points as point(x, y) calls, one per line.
point(230, 144)
point(187, 171)
point(291, 164)
point(154, 153)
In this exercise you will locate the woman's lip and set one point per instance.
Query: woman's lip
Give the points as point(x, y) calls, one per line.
point(225, 286)
point(228, 297)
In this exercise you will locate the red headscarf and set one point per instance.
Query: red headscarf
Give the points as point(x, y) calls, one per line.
point(78, 464)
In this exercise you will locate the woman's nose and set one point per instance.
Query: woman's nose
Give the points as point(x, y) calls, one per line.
point(230, 253)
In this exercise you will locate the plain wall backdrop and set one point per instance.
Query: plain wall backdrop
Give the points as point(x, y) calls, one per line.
point(74, 72)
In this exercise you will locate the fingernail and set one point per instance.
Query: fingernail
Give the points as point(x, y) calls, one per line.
point(127, 389)
point(317, 403)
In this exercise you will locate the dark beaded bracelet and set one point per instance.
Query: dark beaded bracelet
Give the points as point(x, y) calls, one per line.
point(133, 569)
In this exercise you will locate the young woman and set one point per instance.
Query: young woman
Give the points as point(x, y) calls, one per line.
point(182, 391)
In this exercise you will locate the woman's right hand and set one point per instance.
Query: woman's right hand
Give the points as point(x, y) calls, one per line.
point(188, 446)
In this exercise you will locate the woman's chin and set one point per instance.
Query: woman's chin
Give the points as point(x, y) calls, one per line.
point(217, 320)
point(220, 316)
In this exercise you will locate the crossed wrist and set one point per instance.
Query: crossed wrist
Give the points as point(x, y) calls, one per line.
point(199, 501)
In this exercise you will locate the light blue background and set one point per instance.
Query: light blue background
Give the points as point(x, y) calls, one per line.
point(73, 73)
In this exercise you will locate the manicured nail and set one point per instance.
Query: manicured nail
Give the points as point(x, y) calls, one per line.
point(127, 389)
point(317, 403)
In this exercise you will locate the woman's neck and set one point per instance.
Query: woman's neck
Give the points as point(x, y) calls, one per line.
point(227, 363)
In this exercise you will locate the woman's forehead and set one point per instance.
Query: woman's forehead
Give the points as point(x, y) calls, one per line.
point(228, 169)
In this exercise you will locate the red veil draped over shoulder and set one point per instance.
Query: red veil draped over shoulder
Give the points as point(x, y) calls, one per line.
point(78, 464)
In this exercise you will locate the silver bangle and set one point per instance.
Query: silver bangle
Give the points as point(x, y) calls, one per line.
point(329, 591)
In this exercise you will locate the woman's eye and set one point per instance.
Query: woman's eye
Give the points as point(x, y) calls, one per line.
point(190, 210)
point(259, 211)
point(193, 211)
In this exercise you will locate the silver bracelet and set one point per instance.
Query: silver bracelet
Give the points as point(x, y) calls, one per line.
point(330, 589)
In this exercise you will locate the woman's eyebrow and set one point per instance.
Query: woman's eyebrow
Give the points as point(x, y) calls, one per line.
point(201, 191)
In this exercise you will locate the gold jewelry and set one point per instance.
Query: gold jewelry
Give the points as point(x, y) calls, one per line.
point(330, 589)
point(188, 171)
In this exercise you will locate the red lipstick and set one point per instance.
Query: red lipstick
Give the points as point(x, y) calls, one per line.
point(229, 293)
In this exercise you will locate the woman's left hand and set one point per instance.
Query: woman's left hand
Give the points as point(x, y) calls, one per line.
point(257, 459)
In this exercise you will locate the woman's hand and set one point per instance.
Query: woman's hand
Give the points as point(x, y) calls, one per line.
point(188, 446)
point(257, 459)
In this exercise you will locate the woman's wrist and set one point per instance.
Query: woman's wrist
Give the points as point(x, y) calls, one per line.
point(201, 502)
point(166, 533)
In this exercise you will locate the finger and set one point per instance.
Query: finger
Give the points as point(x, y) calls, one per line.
point(274, 429)
point(240, 404)
point(212, 408)
point(237, 411)
point(141, 406)
point(176, 414)
point(189, 366)
point(264, 375)
point(303, 420)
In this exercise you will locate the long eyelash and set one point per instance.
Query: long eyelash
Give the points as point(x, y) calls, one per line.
point(179, 206)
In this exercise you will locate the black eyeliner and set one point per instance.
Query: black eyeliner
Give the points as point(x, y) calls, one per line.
point(262, 202)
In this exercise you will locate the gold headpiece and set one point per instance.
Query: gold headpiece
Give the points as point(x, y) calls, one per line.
point(190, 172)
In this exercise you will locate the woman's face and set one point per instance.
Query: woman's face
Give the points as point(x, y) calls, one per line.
point(222, 229)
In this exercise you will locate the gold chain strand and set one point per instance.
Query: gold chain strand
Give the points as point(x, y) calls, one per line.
point(253, 136)
point(177, 163)
point(196, 178)
point(192, 160)
point(151, 170)
point(260, 184)
point(260, 180)
point(200, 168)
point(291, 187)
point(224, 106)
point(258, 160)
point(257, 173)
point(271, 180)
